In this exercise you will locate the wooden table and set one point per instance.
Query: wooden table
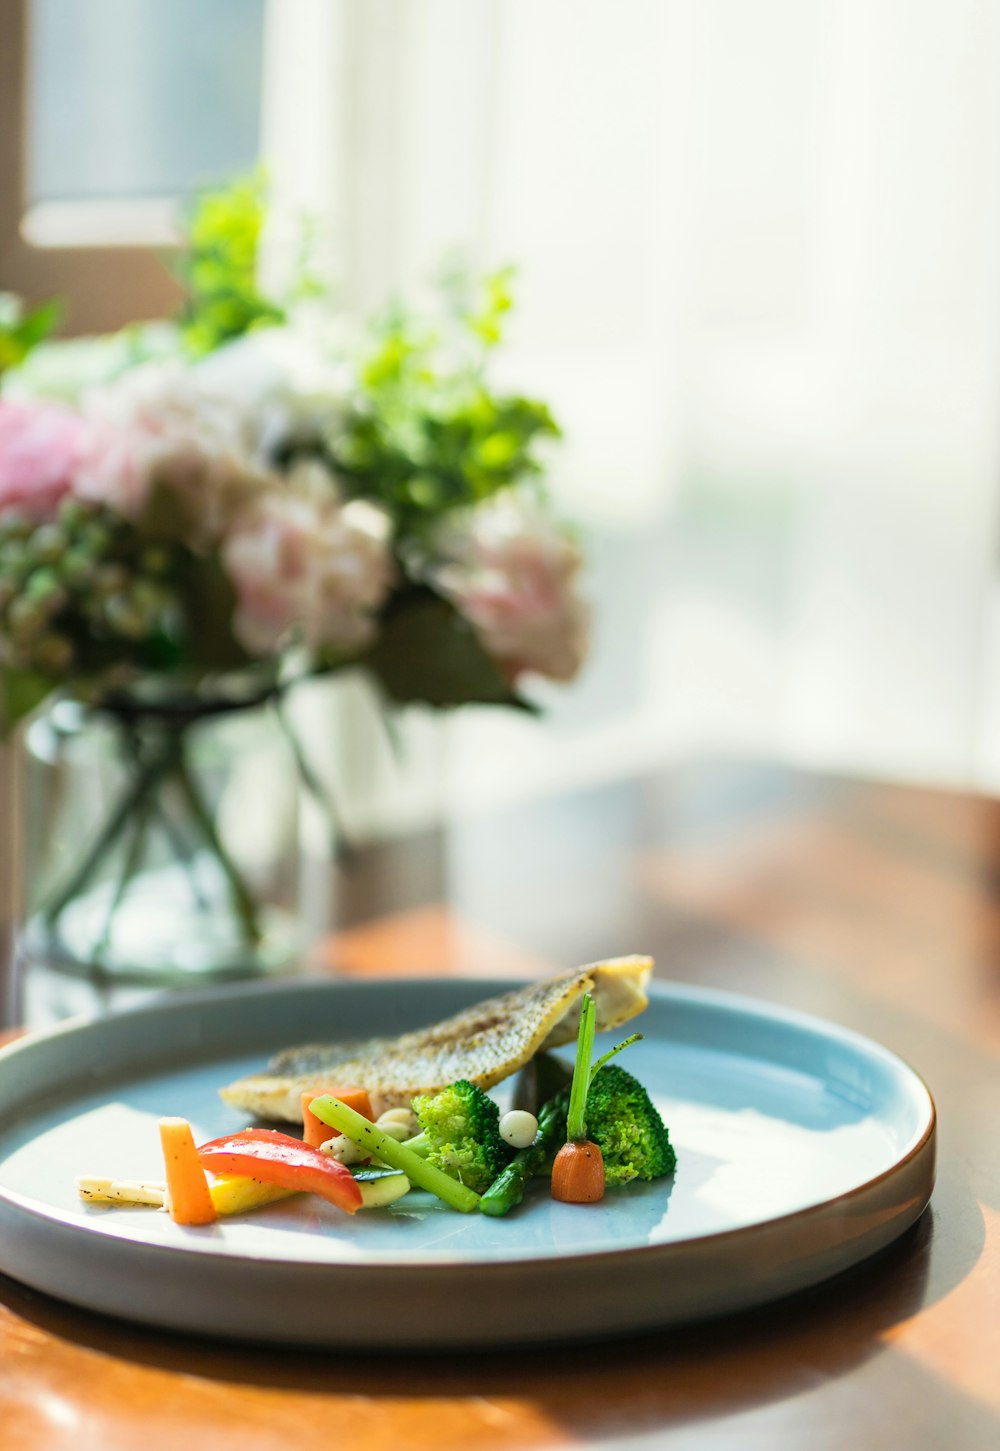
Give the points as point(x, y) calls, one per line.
point(878, 906)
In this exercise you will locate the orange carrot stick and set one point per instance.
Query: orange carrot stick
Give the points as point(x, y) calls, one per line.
point(578, 1173)
point(188, 1197)
point(314, 1131)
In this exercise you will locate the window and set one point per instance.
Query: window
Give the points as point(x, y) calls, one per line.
point(759, 286)
point(128, 106)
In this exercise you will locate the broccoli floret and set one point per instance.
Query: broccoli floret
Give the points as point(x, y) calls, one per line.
point(461, 1134)
point(622, 1120)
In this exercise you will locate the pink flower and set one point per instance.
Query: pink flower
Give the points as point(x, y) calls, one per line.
point(305, 565)
point(39, 451)
point(160, 426)
point(512, 572)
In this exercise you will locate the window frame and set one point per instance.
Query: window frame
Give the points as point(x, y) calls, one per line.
point(107, 285)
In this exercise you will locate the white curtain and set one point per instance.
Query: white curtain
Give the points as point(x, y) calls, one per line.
point(760, 256)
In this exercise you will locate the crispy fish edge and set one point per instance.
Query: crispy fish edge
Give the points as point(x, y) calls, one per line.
point(619, 987)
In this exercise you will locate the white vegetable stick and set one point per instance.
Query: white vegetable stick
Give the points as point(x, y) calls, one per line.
point(121, 1191)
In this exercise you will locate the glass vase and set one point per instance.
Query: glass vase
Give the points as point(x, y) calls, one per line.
point(160, 846)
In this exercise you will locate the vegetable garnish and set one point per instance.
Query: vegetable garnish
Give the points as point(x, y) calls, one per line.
point(97, 1189)
point(314, 1131)
point(381, 1187)
point(188, 1198)
point(230, 1193)
point(507, 1190)
point(518, 1128)
point(606, 1057)
point(389, 1151)
point(578, 1172)
point(238, 1194)
point(624, 1121)
point(578, 1169)
point(460, 1134)
point(576, 1122)
point(279, 1159)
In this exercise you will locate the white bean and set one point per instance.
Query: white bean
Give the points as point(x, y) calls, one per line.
point(401, 1115)
point(518, 1128)
point(344, 1150)
point(395, 1130)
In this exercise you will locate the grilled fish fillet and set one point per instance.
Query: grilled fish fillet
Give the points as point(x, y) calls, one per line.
point(485, 1044)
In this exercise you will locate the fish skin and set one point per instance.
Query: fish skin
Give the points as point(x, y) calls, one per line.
point(484, 1043)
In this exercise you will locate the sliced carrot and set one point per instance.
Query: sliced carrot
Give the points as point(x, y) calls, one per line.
point(578, 1173)
point(314, 1131)
point(188, 1196)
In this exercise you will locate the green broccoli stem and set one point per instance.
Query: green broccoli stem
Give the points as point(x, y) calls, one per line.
point(576, 1119)
point(387, 1150)
point(420, 1144)
point(508, 1188)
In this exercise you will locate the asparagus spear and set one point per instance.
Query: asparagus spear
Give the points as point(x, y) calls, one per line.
point(508, 1188)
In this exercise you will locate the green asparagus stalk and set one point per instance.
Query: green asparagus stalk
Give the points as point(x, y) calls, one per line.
point(507, 1189)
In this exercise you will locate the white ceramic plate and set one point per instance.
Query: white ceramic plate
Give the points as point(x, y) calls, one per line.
point(802, 1149)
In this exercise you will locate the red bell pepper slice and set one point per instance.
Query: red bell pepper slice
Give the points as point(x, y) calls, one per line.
point(279, 1159)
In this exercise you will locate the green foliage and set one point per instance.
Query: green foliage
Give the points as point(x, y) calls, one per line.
point(20, 333)
point(21, 692)
point(426, 651)
point(461, 1126)
point(624, 1123)
point(208, 602)
point(427, 434)
point(478, 304)
point(218, 269)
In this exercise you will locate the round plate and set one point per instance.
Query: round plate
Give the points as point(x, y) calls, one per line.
point(802, 1149)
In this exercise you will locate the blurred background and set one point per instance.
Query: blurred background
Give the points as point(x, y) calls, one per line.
point(758, 246)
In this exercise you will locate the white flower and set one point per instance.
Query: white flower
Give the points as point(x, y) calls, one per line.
point(282, 379)
point(160, 425)
point(67, 368)
point(307, 566)
point(512, 572)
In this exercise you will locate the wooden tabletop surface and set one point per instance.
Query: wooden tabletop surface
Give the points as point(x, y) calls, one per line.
point(877, 906)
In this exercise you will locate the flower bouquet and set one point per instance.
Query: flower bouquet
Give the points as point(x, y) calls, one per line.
point(235, 502)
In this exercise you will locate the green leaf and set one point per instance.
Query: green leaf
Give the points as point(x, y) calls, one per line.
point(497, 300)
point(21, 692)
point(20, 336)
point(218, 268)
point(37, 326)
point(427, 652)
point(209, 603)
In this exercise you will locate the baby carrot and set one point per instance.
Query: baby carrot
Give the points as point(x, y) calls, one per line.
point(578, 1173)
point(314, 1131)
point(578, 1168)
point(188, 1196)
